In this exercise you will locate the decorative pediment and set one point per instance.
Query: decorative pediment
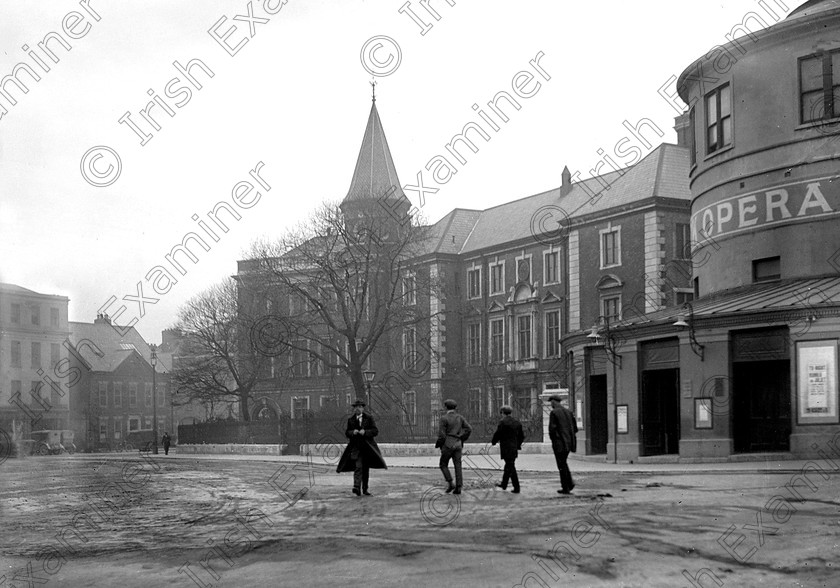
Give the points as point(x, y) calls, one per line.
point(551, 297)
point(523, 293)
point(609, 281)
point(495, 307)
point(473, 311)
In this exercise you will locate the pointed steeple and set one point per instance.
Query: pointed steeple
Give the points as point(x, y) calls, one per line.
point(375, 177)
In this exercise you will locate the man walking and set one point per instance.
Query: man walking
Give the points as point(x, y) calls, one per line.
point(167, 441)
point(362, 452)
point(509, 435)
point(562, 430)
point(454, 430)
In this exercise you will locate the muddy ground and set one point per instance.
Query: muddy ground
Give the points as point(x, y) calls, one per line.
point(125, 521)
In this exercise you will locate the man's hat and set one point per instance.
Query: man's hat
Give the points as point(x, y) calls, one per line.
point(450, 404)
point(358, 403)
point(556, 397)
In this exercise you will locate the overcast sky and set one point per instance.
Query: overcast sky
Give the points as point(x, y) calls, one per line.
point(296, 97)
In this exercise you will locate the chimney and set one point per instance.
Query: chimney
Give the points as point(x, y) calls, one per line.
point(566, 187)
point(681, 125)
point(102, 319)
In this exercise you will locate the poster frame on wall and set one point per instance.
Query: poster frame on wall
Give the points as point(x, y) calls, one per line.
point(816, 382)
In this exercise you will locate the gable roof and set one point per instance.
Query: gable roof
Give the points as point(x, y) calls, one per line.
point(104, 349)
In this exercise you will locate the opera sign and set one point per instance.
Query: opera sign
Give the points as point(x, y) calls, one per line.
point(780, 205)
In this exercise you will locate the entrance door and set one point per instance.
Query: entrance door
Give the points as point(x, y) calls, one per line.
point(761, 406)
point(660, 414)
point(598, 414)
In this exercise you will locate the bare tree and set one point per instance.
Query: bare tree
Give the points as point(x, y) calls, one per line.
point(341, 287)
point(222, 358)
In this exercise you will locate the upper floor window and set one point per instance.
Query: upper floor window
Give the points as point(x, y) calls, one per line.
point(15, 356)
point(611, 308)
point(55, 354)
point(497, 278)
point(300, 359)
point(550, 259)
point(552, 333)
point(132, 394)
point(15, 318)
point(523, 269)
point(35, 314)
point(410, 357)
point(103, 394)
point(53, 317)
point(474, 344)
point(683, 295)
point(497, 339)
point(819, 83)
point(682, 241)
point(692, 137)
point(610, 247)
point(409, 407)
point(300, 406)
point(147, 396)
point(117, 395)
point(718, 119)
point(474, 283)
point(523, 326)
point(768, 269)
point(36, 355)
point(409, 285)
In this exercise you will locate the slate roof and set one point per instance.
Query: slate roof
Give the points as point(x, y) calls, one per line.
point(15, 289)
point(663, 173)
point(107, 340)
point(375, 172)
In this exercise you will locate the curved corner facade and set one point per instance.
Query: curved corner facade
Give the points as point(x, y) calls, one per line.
point(765, 183)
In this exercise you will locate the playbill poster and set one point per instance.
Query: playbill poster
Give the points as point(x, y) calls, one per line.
point(817, 381)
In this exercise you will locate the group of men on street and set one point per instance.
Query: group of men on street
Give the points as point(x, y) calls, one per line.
point(362, 453)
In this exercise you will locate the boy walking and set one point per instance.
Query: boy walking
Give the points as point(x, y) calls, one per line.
point(509, 435)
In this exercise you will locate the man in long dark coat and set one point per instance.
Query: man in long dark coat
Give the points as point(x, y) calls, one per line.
point(562, 430)
point(509, 435)
point(362, 452)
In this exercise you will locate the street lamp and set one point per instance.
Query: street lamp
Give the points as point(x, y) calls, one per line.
point(154, 398)
point(696, 347)
point(615, 359)
point(369, 376)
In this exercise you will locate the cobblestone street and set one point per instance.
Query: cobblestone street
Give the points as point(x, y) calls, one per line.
point(124, 520)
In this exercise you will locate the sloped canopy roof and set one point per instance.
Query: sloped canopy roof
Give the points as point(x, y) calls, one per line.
point(375, 174)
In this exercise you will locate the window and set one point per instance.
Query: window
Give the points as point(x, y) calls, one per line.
point(766, 270)
point(682, 241)
point(410, 348)
point(133, 423)
point(410, 408)
point(148, 395)
point(718, 119)
point(610, 247)
point(497, 278)
point(15, 318)
point(523, 324)
point(17, 386)
point(300, 359)
point(15, 358)
point(103, 394)
point(552, 333)
point(474, 344)
point(498, 398)
point(300, 406)
point(161, 394)
point(550, 267)
point(35, 314)
point(54, 317)
point(683, 295)
point(35, 390)
point(474, 283)
point(147, 425)
point(132, 394)
point(819, 86)
point(409, 285)
point(611, 308)
point(103, 430)
point(497, 339)
point(328, 401)
point(692, 137)
point(474, 402)
point(118, 394)
point(55, 354)
point(36, 355)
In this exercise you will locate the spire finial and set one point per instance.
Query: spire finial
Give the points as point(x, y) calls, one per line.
point(373, 89)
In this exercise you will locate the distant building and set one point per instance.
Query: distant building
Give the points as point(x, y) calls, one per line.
point(35, 375)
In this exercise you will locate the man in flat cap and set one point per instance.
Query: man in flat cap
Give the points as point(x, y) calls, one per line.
point(562, 430)
point(362, 452)
point(509, 435)
point(454, 430)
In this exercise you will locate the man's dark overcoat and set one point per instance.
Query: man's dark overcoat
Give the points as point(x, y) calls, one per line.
point(364, 444)
point(509, 435)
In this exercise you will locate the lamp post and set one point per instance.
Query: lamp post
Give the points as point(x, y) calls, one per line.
point(369, 376)
point(154, 398)
point(615, 359)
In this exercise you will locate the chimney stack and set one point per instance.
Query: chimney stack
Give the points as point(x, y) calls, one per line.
point(566, 186)
point(681, 125)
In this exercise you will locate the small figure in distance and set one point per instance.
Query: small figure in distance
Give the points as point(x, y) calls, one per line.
point(362, 452)
point(509, 435)
point(454, 430)
point(167, 441)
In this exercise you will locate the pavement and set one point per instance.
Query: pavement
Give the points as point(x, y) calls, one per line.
point(524, 463)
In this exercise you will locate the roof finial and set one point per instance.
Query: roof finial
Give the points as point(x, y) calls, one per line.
point(373, 89)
